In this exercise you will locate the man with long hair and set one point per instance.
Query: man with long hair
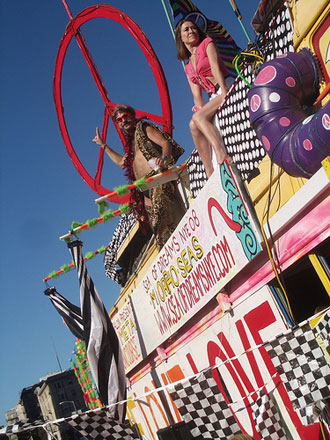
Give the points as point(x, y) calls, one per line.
point(147, 149)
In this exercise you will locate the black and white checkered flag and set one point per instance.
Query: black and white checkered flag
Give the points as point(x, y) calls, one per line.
point(19, 427)
point(203, 407)
point(267, 418)
point(322, 332)
point(125, 224)
point(70, 313)
point(301, 362)
point(102, 345)
point(96, 425)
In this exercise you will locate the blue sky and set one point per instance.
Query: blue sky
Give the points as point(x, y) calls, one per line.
point(41, 192)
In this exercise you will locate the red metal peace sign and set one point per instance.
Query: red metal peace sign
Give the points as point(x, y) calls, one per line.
point(73, 30)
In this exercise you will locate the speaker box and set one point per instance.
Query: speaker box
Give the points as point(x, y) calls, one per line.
point(179, 431)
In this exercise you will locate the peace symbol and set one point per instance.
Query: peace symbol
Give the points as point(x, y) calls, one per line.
point(73, 30)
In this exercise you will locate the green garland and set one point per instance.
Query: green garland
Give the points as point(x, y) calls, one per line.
point(101, 206)
point(141, 184)
point(108, 215)
point(121, 190)
point(90, 255)
point(54, 275)
point(92, 223)
point(67, 267)
point(75, 225)
point(124, 209)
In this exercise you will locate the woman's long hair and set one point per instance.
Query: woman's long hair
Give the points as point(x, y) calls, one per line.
point(182, 52)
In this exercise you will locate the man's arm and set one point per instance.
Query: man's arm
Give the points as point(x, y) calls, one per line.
point(117, 158)
point(156, 137)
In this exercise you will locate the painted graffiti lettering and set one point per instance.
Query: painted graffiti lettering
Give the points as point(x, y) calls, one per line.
point(185, 261)
point(190, 226)
point(146, 284)
point(171, 311)
point(169, 250)
point(169, 280)
point(184, 233)
point(193, 220)
point(241, 372)
point(130, 353)
point(126, 330)
point(124, 324)
point(199, 273)
point(207, 249)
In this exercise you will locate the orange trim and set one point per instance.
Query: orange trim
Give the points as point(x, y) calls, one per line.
point(150, 179)
point(323, 94)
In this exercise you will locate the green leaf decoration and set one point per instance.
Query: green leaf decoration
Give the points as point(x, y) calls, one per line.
point(101, 250)
point(101, 206)
point(108, 215)
point(53, 275)
point(68, 239)
point(89, 255)
point(122, 190)
point(141, 184)
point(124, 209)
point(92, 223)
point(66, 268)
point(75, 225)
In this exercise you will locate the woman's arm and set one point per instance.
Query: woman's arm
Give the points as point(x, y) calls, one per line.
point(117, 158)
point(196, 92)
point(213, 56)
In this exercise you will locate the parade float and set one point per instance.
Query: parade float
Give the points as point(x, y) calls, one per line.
point(226, 329)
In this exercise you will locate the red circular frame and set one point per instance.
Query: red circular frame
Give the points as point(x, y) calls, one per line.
point(73, 30)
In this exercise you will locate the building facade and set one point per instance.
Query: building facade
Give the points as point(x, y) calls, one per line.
point(59, 395)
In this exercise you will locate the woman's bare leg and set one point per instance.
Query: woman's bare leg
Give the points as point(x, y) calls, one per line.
point(203, 123)
point(203, 147)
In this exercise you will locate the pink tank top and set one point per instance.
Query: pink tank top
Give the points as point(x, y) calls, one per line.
point(203, 68)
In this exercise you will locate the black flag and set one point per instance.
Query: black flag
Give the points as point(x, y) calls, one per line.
point(70, 313)
point(102, 344)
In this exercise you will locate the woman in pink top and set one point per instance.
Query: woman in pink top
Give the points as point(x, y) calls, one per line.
point(205, 71)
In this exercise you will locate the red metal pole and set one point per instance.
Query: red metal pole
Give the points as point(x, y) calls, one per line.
point(67, 9)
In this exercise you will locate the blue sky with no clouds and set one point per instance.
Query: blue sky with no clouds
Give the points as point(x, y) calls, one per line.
point(41, 192)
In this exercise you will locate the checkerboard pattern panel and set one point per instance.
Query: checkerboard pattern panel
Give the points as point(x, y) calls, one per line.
point(96, 425)
point(125, 223)
point(311, 414)
point(203, 407)
point(323, 330)
point(196, 172)
point(279, 36)
point(267, 419)
point(21, 426)
point(301, 363)
point(239, 138)
point(233, 122)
